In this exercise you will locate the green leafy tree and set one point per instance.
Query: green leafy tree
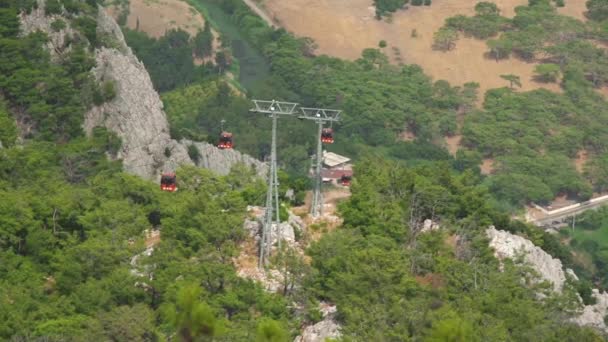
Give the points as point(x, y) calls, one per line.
point(547, 72)
point(192, 319)
point(125, 323)
point(513, 80)
point(487, 9)
point(270, 331)
point(597, 10)
point(452, 330)
point(445, 39)
point(8, 128)
point(203, 42)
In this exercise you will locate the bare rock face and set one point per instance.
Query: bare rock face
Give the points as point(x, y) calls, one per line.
point(593, 315)
point(37, 20)
point(507, 245)
point(284, 230)
point(221, 161)
point(327, 328)
point(135, 115)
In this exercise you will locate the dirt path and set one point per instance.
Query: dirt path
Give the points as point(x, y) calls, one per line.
point(254, 7)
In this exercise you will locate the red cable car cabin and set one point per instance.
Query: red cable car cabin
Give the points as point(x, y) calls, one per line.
point(225, 141)
point(345, 180)
point(327, 136)
point(168, 182)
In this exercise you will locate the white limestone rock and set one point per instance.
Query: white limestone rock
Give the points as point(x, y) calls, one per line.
point(221, 161)
point(327, 328)
point(507, 245)
point(59, 41)
point(429, 226)
point(593, 315)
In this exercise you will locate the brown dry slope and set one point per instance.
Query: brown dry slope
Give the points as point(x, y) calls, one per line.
point(343, 28)
point(157, 16)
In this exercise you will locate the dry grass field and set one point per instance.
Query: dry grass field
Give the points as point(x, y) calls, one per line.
point(343, 28)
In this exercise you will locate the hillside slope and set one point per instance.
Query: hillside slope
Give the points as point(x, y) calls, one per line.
point(136, 113)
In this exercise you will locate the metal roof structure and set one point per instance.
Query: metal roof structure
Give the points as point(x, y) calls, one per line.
point(332, 159)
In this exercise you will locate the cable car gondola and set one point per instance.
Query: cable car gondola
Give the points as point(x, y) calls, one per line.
point(327, 136)
point(225, 138)
point(225, 141)
point(168, 182)
point(345, 180)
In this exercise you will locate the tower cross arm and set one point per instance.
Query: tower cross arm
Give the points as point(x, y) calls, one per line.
point(321, 114)
point(274, 107)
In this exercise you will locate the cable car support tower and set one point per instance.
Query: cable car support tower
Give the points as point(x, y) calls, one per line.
point(275, 109)
point(320, 116)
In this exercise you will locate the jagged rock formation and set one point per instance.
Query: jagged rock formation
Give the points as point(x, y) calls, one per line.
point(327, 328)
point(593, 315)
point(37, 20)
point(136, 115)
point(507, 245)
point(285, 229)
point(220, 161)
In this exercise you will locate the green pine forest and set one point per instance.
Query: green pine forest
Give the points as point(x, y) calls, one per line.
point(71, 220)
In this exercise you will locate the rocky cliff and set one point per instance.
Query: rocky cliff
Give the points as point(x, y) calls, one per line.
point(136, 113)
point(37, 20)
point(507, 245)
point(327, 328)
point(220, 161)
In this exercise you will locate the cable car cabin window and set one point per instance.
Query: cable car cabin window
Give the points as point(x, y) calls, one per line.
point(225, 140)
point(345, 180)
point(168, 182)
point(327, 135)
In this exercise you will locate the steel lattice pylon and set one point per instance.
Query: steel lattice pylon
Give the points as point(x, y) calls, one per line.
point(275, 109)
point(320, 116)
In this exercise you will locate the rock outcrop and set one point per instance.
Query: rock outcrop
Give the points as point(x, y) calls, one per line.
point(136, 115)
point(220, 161)
point(327, 328)
point(37, 20)
point(507, 245)
point(286, 230)
point(593, 315)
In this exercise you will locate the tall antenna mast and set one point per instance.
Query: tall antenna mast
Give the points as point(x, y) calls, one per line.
point(275, 109)
point(320, 116)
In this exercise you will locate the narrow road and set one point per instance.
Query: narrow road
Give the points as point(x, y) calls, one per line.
point(254, 7)
point(556, 218)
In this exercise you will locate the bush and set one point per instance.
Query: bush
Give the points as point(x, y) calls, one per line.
point(8, 129)
point(109, 91)
point(417, 2)
point(58, 25)
point(427, 2)
point(384, 7)
point(52, 7)
point(194, 153)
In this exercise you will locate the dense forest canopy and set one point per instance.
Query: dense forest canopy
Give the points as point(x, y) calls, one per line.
point(73, 226)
